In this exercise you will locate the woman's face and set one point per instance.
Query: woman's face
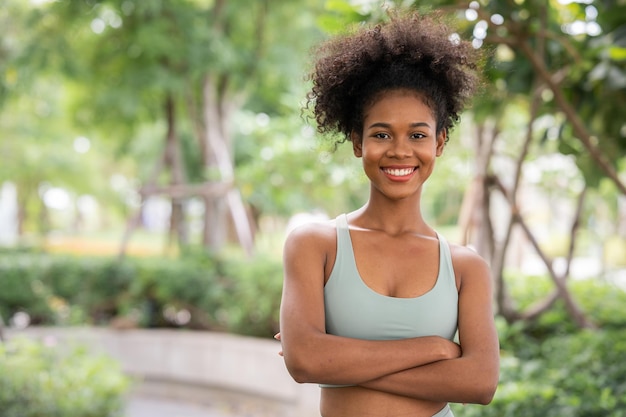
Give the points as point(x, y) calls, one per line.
point(399, 143)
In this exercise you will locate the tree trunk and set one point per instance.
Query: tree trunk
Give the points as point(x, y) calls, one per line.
point(216, 140)
point(477, 227)
point(505, 303)
point(174, 161)
point(2, 338)
point(217, 160)
point(45, 226)
point(219, 157)
point(135, 220)
point(561, 290)
point(570, 305)
point(21, 214)
point(474, 219)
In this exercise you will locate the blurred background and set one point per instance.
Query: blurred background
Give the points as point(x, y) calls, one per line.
point(155, 153)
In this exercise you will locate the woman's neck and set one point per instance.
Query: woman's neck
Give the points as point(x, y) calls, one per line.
point(393, 217)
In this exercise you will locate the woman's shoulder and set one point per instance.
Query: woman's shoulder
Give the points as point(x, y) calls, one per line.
point(467, 262)
point(465, 253)
point(313, 234)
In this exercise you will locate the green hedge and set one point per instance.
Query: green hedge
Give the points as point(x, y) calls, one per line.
point(38, 380)
point(551, 368)
point(576, 375)
point(197, 291)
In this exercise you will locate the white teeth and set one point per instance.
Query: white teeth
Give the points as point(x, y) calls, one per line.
point(399, 172)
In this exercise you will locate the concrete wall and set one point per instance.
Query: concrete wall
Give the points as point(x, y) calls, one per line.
point(198, 366)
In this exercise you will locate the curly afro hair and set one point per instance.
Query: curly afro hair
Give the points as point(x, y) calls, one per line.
point(409, 51)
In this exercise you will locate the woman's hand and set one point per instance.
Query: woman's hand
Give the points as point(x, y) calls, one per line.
point(277, 337)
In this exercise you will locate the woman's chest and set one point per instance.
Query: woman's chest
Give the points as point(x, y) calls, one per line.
point(397, 267)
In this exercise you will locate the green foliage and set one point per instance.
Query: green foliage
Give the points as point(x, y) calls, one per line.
point(163, 288)
point(585, 43)
point(95, 286)
point(254, 300)
point(205, 292)
point(551, 368)
point(20, 277)
point(38, 380)
point(577, 375)
point(602, 301)
point(106, 69)
point(197, 291)
point(303, 177)
point(61, 290)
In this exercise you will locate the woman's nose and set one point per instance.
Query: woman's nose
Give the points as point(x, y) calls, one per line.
point(400, 148)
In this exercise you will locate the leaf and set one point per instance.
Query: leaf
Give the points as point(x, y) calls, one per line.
point(617, 53)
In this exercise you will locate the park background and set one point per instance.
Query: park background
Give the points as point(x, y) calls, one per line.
point(155, 153)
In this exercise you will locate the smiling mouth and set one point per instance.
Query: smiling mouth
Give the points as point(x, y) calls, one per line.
point(399, 172)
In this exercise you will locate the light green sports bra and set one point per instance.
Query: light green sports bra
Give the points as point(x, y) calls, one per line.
point(355, 310)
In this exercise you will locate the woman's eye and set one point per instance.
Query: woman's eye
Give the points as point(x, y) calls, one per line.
point(381, 135)
point(417, 136)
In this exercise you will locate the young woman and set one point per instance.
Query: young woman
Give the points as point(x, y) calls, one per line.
point(372, 300)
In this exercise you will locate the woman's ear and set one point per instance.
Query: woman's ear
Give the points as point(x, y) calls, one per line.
point(357, 144)
point(442, 136)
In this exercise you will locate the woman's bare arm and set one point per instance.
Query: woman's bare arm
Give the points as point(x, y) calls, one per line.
point(472, 377)
point(310, 354)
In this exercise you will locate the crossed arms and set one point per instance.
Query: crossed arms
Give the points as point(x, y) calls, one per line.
point(428, 368)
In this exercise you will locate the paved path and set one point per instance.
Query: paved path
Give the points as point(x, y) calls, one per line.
point(142, 405)
point(150, 407)
point(153, 398)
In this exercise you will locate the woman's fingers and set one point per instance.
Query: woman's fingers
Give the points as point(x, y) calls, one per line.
point(277, 337)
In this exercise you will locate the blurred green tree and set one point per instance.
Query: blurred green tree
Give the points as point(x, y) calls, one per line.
point(556, 73)
point(37, 140)
point(562, 64)
point(186, 66)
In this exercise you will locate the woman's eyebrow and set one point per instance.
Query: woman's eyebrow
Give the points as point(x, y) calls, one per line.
point(387, 125)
